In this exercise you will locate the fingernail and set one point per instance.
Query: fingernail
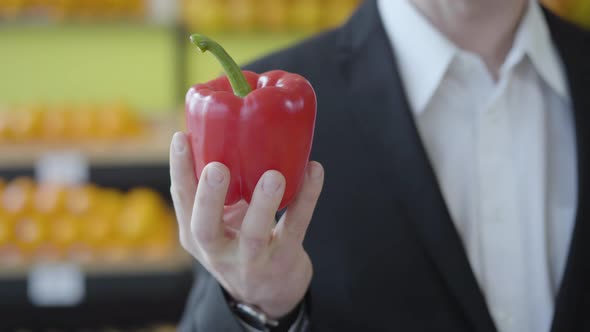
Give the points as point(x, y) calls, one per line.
point(271, 182)
point(315, 170)
point(178, 143)
point(215, 176)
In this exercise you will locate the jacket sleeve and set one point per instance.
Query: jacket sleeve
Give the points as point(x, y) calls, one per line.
point(206, 308)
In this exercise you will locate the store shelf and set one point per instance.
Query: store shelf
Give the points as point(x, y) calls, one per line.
point(150, 147)
point(125, 295)
point(179, 260)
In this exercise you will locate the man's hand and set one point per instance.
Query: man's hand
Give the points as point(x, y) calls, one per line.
point(257, 260)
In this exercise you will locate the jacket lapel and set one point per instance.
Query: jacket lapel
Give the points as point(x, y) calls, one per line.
point(572, 301)
point(392, 139)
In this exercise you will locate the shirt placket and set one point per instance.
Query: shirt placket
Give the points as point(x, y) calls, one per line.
point(501, 254)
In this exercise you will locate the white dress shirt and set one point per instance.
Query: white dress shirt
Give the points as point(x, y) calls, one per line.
point(504, 155)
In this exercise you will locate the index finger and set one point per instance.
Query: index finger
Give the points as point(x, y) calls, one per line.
point(183, 185)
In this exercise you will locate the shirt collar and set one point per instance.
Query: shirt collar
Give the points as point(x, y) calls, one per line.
point(424, 54)
point(535, 39)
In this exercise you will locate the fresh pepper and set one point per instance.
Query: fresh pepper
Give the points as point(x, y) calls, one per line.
point(251, 123)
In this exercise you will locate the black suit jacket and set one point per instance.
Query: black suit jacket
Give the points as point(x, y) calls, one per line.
point(385, 252)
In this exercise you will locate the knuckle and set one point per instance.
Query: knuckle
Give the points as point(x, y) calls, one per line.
point(255, 244)
point(203, 237)
point(245, 276)
point(297, 230)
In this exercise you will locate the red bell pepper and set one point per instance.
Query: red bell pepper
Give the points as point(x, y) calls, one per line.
point(251, 123)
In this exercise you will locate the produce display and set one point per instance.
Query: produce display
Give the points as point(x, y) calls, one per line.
point(82, 223)
point(71, 9)
point(265, 15)
point(64, 123)
point(251, 123)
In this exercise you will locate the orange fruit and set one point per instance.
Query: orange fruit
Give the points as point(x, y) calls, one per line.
point(31, 232)
point(5, 129)
point(304, 14)
point(111, 202)
point(83, 123)
point(96, 230)
point(272, 14)
point(25, 122)
point(142, 212)
point(205, 15)
point(135, 8)
point(17, 196)
point(49, 198)
point(56, 123)
point(117, 120)
point(12, 8)
point(241, 14)
point(65, 232)
point(6, 230)
point(145, 196)
point(81, 199)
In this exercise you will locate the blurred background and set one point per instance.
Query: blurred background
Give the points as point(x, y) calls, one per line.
point(90, 94)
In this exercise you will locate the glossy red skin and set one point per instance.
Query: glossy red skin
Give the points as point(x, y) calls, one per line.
point(270, 129)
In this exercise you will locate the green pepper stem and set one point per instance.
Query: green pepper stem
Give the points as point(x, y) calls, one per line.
point(232, 70)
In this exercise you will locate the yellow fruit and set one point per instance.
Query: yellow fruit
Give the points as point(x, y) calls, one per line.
point(83, 122)
point(12, 8)
point(143, 212)
point(6, 230)
point(241, 14)
point(136, 8)
point(31, 232)
point(17, 196)
point(304, 14)
point(146, 197)
point(5, 129)
point(56, 123)
point(205, 15)
point(117, 120)
point(110, 203)
point(49, 198)
point(97, 230)
point(65, 232)
point(272, 14)
point(25, 122)
point(81, 199)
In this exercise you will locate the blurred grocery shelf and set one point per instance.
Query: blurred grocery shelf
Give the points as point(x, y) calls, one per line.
point(149, 146)
point(76, 256)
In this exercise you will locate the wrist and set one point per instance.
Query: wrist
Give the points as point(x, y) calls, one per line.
point(259, 319)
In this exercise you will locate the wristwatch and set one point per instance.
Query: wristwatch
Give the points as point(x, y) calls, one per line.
point(253, 316)
point(257, 319)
